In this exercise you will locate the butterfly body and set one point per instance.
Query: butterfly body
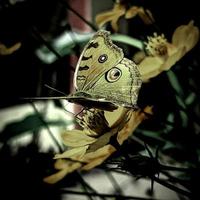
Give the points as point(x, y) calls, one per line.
point(104, 78)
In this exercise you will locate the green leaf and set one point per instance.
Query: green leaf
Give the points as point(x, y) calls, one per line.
point(64, 45)
point(151, 134)
point(184, 118)
point(190, 98)
point(128, 40)
point(175, 82)
point(169, 146)
point(30, 123)
point(180, 102)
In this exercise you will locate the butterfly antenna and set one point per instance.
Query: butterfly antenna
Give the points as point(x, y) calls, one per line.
point(76, 115)
point(55, 89)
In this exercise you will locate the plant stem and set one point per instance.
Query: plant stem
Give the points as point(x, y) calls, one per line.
point(47, 127)
point(78, 15)
point(105, 195)
point(172, 187)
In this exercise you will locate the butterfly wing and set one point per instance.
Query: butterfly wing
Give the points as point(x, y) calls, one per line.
point(103, 78)
point(99, 55)
point(119, 85)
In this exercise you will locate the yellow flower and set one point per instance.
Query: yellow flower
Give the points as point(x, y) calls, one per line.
point(90, 147)
point(120, 10)
point(162, 55)
point(7, 51)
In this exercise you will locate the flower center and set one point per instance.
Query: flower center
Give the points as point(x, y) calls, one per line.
point(156, 45)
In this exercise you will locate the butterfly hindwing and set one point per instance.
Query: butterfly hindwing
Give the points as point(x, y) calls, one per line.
point(119, 84)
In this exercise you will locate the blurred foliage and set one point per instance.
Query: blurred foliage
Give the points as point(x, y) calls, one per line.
point(32, 123)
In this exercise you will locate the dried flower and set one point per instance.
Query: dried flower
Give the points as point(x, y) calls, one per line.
point(162, 55)
point(7, 51)
point(90, 148)
point(120, 10)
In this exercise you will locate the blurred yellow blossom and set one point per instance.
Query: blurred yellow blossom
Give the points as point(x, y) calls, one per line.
point(90, 147)
point(162, 55)
point(120, 10)
point(9, 50)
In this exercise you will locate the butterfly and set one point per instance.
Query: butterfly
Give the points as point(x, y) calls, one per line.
point(104, 78)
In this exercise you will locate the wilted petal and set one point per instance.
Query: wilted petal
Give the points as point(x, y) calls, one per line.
point(114, 23)
point(132, 12)
point(146, 16)
point(75, 153)
point(102, 141)
point(150, 17)
point(9, 50)
point(61, 164)
point(99, 156)
point(55, 177)
point(103, 18)
point(61, 174)
point(77, 138)
point(112, 16)
point(136, 118)
point(117, 117)
point(186, 35)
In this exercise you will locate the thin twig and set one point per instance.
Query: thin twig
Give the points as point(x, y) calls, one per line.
point(47, 127)
point(115, 184)
point(43, 41)
point(172, 187)
point(172, 168)
point(78, 15)
point(105, 195)
point(86, 185)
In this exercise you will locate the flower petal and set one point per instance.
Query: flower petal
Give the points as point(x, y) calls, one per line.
point(103, 18)
point(115, 117)
point(61, 164)
point(146, 16)
point(77, 138)
point(55, 177)
point(131, 12)
point(112, 16)
point(136, 118)
point(9, 50)
point(150, 67)
point(96, 158)
point(186, 35)
point(62, 173)
point(138, 57)
point(171, 60)
point(75, 153)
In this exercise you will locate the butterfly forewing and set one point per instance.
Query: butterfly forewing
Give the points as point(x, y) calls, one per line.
point(99, 55)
